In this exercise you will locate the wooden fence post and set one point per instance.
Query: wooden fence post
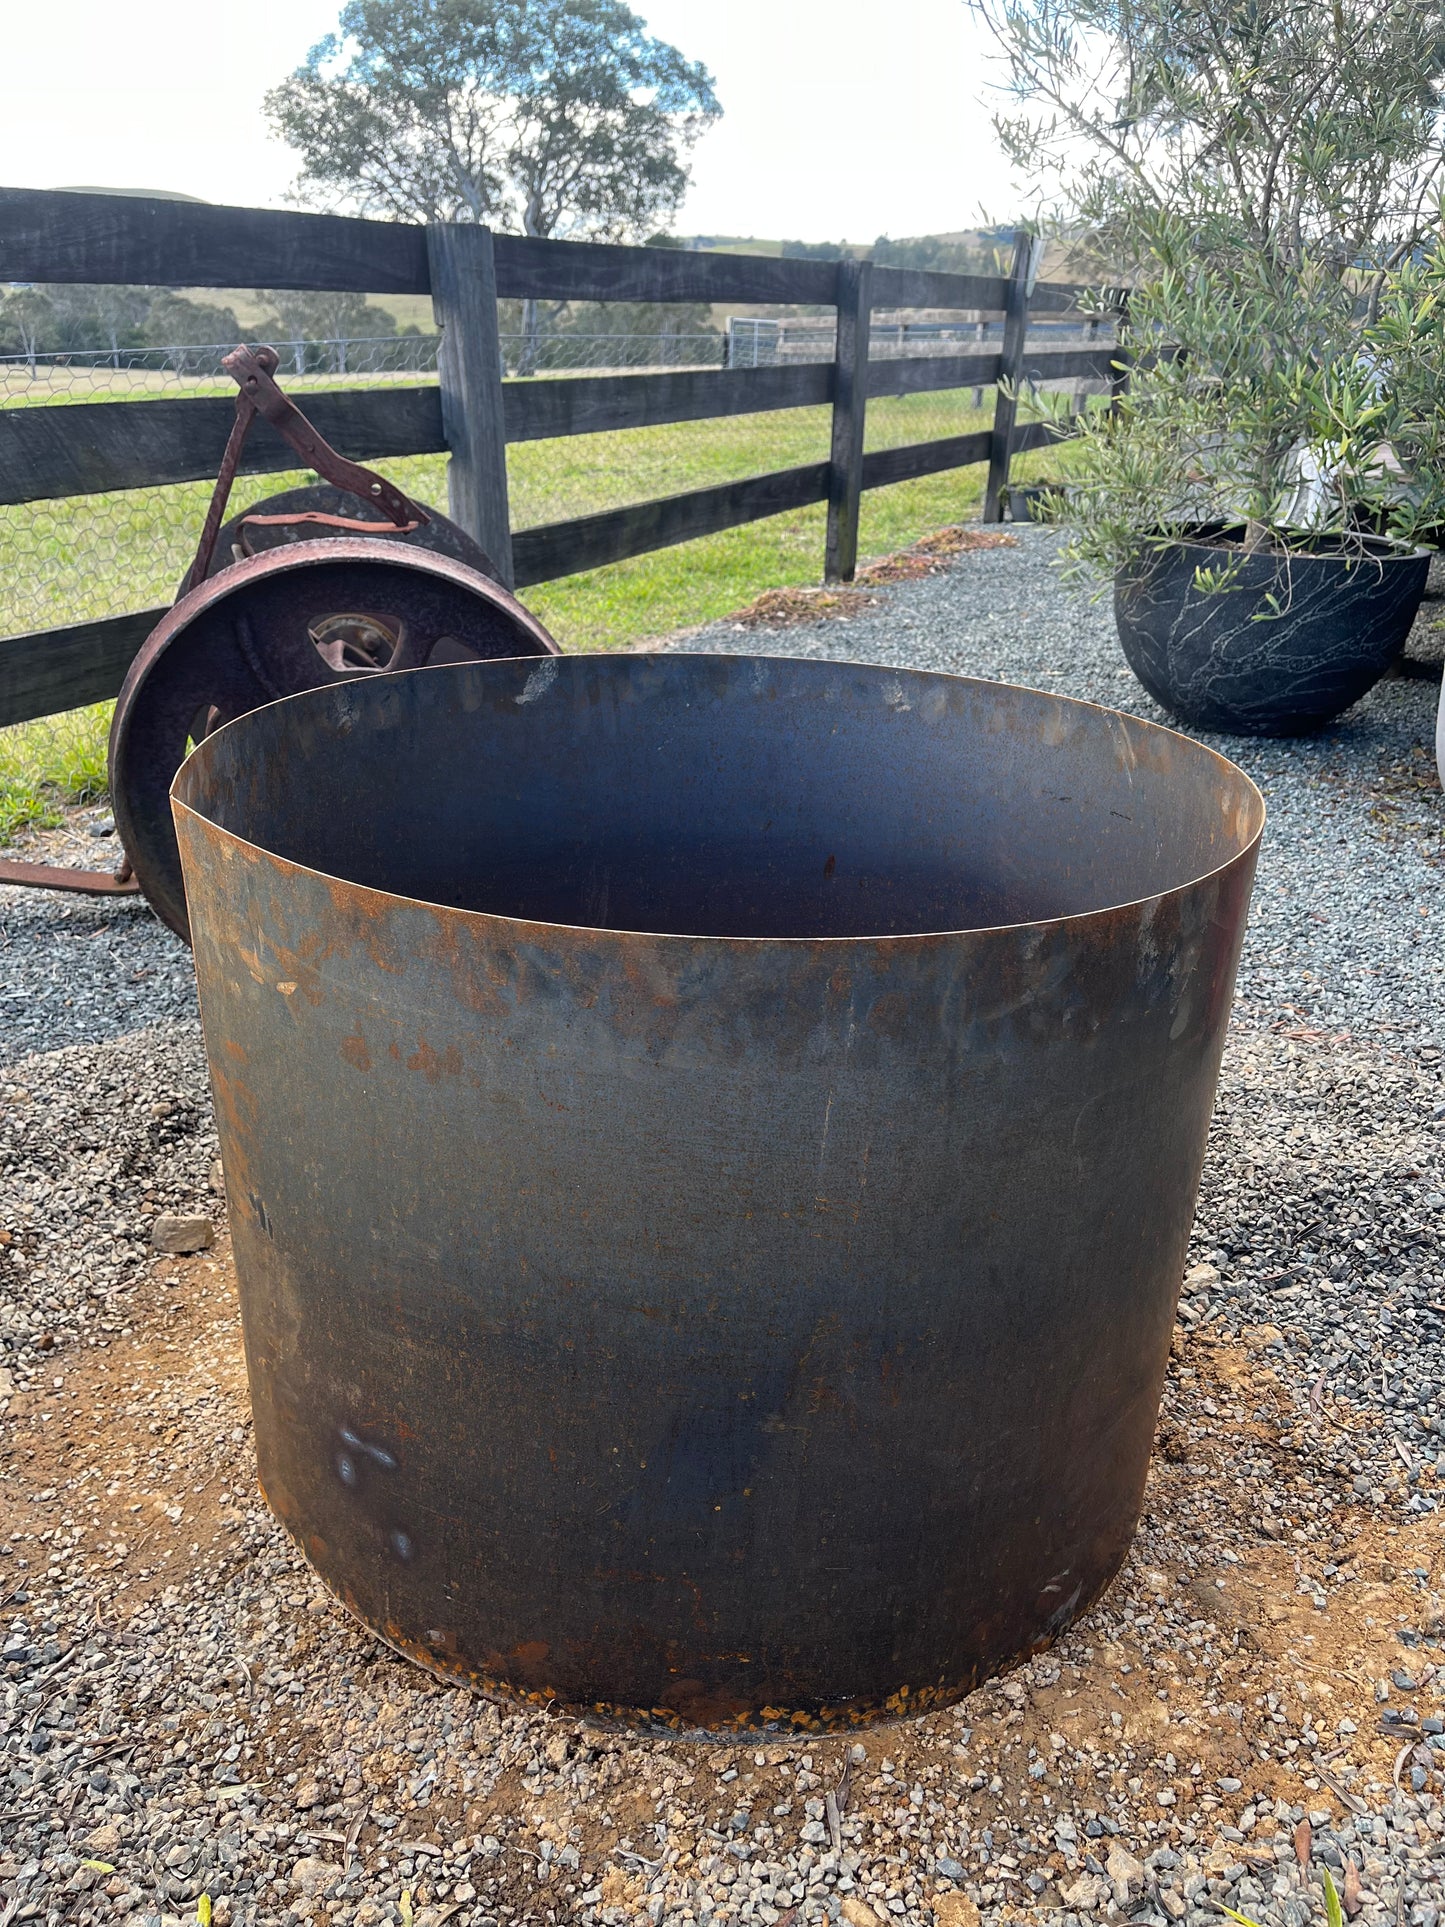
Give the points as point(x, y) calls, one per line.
point(1011, 365)
point(464, 300)
point(850, 408)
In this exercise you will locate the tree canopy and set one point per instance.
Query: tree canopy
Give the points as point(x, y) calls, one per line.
point(547, 117)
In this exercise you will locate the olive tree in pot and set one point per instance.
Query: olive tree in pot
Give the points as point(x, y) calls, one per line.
point(1258, 492)
point(1265, 175)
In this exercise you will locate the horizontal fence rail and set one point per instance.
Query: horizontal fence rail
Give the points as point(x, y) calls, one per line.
point(93, 448)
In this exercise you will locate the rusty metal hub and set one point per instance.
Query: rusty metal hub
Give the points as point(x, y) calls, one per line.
point(292, 618)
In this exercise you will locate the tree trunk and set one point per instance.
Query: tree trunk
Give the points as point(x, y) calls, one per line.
point(531, 326)
point(531, 338)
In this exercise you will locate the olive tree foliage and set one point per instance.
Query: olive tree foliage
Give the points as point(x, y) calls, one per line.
point(1267, 176)
point(544, 117)
point(1312, 128)
point(1282, 412)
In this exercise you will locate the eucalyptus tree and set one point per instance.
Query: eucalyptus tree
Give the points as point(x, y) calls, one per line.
point(544, 117)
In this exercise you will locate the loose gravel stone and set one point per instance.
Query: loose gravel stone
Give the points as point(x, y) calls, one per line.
point(180, 1236)
point(76, 970)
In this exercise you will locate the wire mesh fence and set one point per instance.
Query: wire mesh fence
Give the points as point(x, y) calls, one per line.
point(110, 374)
point(550, 354)
point(85, 557)
point(89, 557)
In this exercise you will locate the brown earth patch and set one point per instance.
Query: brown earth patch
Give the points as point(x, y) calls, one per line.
point(1225, 1652)
point(785, 608)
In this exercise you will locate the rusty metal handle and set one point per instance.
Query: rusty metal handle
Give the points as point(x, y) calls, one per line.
point(254, 370)
point(317, 518)
point(225, 475)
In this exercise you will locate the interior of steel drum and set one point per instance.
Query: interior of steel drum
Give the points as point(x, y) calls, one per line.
point(725, 796)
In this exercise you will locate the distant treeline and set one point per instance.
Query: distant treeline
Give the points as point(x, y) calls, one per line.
point(118, 322)
point(970, 254)
point(115, 324)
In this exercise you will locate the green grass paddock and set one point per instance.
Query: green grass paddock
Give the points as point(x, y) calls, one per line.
point(93, 556)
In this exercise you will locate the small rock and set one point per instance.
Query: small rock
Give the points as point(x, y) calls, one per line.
point(1086, 1892)
point(308, 1794)
point(952, 1910)
point(106, 1838)
point(182, 1235)
point(858, 1913)
point(949, 1869)
point(1122, 1867)
point(1259, 1338)
point(1200, 1278)
point(217, 1178)
point(310, 1875)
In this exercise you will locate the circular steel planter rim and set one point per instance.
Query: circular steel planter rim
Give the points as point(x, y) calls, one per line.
point(1222, 762)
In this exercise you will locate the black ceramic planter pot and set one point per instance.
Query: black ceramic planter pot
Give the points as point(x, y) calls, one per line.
point(1227, 661)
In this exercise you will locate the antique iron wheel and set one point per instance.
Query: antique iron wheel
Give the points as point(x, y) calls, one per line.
point(295, 617)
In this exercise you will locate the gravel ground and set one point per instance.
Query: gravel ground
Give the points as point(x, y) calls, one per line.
point(77, 970)
point(1261, 1695)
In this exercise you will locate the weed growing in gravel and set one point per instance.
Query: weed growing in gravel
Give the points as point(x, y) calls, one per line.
point(1334, 1913)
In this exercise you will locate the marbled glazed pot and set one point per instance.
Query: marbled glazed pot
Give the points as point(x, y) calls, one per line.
point(1236, 660)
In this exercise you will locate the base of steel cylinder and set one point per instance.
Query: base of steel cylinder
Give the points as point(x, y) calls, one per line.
point(720, 1722)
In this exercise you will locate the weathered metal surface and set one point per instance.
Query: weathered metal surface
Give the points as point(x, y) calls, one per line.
point(711, 1146)
point(53, 876)
point(319, 511)
point(254, 372)
point(291, 618)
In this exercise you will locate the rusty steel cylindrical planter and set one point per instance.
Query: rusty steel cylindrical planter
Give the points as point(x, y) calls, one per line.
point(711, 1146)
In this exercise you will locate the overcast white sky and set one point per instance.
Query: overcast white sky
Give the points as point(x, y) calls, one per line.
point(842, 119)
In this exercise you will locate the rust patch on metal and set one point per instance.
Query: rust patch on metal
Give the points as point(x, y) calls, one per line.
point(354, 1050)
point(433, 1064)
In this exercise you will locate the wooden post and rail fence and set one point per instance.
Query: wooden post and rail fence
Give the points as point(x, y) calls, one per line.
point(471, 413)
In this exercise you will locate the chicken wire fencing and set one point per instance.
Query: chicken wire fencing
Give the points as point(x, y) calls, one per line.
point(89, 557)
point(86, 557)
